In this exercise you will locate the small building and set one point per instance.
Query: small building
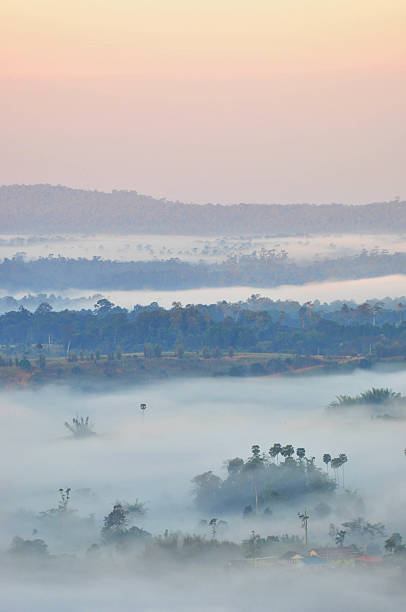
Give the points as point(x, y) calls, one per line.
point(291, 557)
point(313, 560)
point(255, 562)
point(368, 560)
point(337, 553)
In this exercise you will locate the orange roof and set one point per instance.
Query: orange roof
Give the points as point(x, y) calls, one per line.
point(369, 559)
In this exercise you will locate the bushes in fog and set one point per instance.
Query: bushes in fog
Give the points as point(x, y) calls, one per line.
point(80, 427)
point(373, 396)
point(28, 548)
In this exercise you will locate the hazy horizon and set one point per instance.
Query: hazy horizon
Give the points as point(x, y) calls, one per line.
point(219, 102)
point(155, 196)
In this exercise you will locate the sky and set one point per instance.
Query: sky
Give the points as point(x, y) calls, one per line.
point(220, 101)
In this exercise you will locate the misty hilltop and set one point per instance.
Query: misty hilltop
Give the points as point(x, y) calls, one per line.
point(47, 208)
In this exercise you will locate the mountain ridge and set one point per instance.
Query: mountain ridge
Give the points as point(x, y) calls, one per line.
point(44, 208)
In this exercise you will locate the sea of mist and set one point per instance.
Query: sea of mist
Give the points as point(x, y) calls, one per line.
point(393, 286)
point(205, 589)
point(193, 248)
point(211, 249)
point(189, 427)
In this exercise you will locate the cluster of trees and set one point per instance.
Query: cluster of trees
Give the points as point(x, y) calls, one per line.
point(116, 530)
point(184, 547)
point(394, 544)
point(264, 269)
point(336, 463)
point(119, 532)
point(287, 312)
point(58, 302)
point(112, 329)
point(262, 482)
point(360, 531)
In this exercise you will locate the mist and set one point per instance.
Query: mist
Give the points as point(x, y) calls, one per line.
point(392, 286)
point(189, 427)
point(192, 248)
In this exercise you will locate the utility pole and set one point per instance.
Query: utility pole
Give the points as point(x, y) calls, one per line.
point(304, 517)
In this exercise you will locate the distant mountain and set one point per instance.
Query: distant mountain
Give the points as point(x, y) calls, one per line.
point(48, 209)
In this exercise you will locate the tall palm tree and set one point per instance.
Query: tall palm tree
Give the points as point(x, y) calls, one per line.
point(377, 308)
point(365, 311)
point(327, 459)
point(300, 452)
point(343, 460)
point(345, 313)
point(256, 451)
point(335, 464)
point(255, 462)
point(287, 451)
point(275, 450)
point(302, 315)
point(309, 306)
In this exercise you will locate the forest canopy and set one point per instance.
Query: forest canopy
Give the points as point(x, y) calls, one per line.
point(358, 331)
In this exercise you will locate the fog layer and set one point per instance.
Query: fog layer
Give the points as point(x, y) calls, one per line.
point(188, 428)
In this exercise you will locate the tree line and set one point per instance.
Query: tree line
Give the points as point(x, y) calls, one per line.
point(111, 329)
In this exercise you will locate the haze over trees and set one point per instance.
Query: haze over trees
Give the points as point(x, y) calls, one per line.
point(266, 268)
point(264, 483)
point(48, 208)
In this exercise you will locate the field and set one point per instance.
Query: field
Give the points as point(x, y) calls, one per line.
point(135, 368)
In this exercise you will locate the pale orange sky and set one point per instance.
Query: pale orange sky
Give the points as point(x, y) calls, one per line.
point(287, 100)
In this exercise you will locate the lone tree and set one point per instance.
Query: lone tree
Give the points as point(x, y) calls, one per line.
point(64, 501)
point(394, 543)
point(253, 545)
point(80, 427)
point(62, 508)
point(115, 529)
point(115, 521)
point(300, 452)
point(340, 535)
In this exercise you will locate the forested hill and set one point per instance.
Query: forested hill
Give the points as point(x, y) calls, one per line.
point(47, 209)
point(264, 269)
